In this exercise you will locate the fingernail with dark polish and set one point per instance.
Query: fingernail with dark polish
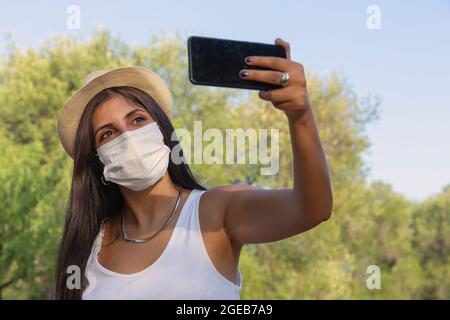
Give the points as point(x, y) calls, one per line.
point(248, 60)
point(243, 73)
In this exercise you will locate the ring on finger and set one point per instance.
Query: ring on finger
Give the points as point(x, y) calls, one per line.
point(284, 79)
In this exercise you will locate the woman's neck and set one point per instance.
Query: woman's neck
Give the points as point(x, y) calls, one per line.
point(147, 210)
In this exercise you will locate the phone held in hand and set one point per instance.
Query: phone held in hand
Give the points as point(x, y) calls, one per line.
point(217, 62)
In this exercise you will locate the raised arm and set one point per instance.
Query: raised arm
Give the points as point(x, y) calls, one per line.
point(254, 215)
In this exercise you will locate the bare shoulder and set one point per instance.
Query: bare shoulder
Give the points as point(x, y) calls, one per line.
point(216, 200)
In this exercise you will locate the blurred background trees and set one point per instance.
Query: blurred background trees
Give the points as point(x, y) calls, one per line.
point(371, 224)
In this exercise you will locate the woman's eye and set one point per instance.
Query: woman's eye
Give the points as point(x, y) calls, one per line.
point(135, 121)
point(138, 120)
point(104, 135)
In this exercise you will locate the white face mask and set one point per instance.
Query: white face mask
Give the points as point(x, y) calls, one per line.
point(136, 159)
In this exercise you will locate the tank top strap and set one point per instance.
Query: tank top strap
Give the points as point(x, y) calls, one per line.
point(191, 208)
point(99, 238)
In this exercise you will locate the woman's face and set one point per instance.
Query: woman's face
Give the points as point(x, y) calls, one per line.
point(116, 116)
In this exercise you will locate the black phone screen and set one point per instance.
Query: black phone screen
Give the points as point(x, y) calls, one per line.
point(217, 62)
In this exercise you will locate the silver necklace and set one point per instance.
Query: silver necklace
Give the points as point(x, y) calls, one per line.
point(125, 236)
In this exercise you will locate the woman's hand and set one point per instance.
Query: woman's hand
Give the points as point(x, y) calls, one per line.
point(293, 98)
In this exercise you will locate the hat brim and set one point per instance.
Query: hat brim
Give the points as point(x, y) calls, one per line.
point(137, 77)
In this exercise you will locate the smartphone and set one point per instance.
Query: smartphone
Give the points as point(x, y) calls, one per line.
point(217, 62)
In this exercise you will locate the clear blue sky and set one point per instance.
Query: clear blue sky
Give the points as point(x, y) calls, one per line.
point(406, 62)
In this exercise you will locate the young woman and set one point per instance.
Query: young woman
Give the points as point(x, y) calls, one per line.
point(139, 226)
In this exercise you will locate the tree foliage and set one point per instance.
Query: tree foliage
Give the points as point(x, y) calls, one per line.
point(371, 224)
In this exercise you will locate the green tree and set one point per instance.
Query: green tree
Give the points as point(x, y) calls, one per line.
point(31, 203)
point(432, 242)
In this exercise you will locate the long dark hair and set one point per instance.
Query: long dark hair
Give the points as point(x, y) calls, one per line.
point(90, 201)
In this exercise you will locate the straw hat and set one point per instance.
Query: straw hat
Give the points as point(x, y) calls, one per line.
point(137, 77)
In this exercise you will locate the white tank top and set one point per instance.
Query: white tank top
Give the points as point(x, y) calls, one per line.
point(183, 271)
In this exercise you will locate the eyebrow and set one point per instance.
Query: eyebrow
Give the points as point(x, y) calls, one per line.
point(110, 124)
